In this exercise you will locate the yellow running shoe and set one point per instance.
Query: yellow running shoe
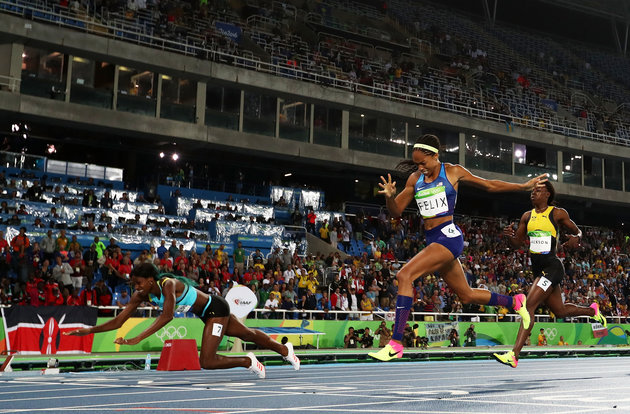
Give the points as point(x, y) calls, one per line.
point(507, 359)
point(598, 315)
point(387, 353)
point(520, 306)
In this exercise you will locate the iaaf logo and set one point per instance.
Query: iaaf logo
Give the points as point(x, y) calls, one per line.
point(241, 302)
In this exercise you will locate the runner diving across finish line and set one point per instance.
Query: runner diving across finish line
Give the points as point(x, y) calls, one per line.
point(434, 184)
point(175, 294)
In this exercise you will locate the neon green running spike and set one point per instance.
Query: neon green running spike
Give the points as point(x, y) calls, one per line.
point(387, 353)
point(507, 359)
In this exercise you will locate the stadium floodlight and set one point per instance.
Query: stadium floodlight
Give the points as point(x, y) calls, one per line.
point(51, 149)
point(175, 157)
point(288, 174)
point(356, 181)
point(162, 154)
point(15, 128)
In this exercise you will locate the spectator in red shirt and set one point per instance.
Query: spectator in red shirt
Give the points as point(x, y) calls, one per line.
point(166, 262)
point(74, 299)
point(226, 276)
point(89, 296)
point(125, 267)
point(55, 298)
point(104, 298)
point(19, 246)
point(310, 221)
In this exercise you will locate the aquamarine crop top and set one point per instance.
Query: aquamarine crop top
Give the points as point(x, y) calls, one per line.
point(183, 303)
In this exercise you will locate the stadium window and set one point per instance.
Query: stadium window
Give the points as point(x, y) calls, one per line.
point(612, 174)
point(44, 73)
point(327, 126)
point(295, 120)
point(92, 82)
point(592, 171)
point(136, 91)
point(489, 154)
point(259, 114)
point(571, 168)
point(531, 160)
point(371, 133)
point(223, 106)
point(179, 97)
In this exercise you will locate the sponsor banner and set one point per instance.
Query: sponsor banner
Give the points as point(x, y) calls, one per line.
point(438, 332)
point(242, 301)
point(598, 330)
point(230, 31)
point(39, 330)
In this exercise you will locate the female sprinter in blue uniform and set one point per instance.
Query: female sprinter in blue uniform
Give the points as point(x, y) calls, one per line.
point(173, 295)
point(541, 225)
point(434, 185)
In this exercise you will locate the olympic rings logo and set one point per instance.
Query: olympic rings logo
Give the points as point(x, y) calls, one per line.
point(171, 332)
point(551, 333)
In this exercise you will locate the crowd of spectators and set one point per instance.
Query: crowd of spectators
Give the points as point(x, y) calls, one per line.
point(57, 269)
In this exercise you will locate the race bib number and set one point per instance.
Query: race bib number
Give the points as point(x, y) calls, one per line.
point(182, 308)
point(539, 242)
point(544, 283)
point(451, 231)
point(432, 201)
point(217, 328)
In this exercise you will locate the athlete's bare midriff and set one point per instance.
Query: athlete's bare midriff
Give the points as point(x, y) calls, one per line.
point(431, 223)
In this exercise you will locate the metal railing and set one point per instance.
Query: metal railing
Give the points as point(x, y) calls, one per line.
point(380, 314)
point(154, 311)
point(390, 92)
point(10, 83)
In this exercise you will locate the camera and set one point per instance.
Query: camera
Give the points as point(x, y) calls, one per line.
point(423, 342)
point(359, 331)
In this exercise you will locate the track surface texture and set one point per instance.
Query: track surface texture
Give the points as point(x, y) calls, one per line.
point(578, 385)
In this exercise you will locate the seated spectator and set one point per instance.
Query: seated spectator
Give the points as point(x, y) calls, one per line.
point(34, 192)
point(89, 199)
point(55, 298)
point(106, 201)
point(123, 299)
point(270, 307)
point(74, 299)
point(89, 295)
point(38, 223)
point(104, 297)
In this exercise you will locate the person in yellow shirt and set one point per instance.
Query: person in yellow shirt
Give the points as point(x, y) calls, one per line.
point(302, 283)
point(562, 342)
point(311, 283)
point(276, 291)
point(323, 231)
point(542, 338)
point(221, 254)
